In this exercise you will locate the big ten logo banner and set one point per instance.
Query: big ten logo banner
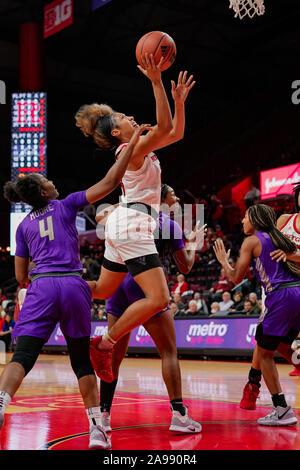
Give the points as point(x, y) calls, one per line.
point(57, 16)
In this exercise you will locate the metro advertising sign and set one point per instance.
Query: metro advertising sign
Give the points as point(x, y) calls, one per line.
point(216, 333)
point(57, 16)
point(279, 181)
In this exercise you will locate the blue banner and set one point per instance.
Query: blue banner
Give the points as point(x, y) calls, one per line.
point(99, 3)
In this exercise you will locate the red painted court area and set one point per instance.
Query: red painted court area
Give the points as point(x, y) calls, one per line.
point(58, 422)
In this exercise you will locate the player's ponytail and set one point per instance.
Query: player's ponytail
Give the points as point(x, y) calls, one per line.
point(10, 192)
point(26, 189)
point(97, 120)
point(263, 219)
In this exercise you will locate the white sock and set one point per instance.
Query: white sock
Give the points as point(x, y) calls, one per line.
point(5, 399)
point(107, 342)
point(94, 416)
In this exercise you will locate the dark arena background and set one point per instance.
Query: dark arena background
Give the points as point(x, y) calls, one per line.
point(241, 147)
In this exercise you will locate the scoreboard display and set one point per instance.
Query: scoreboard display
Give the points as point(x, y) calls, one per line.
point(29, 143)
point(28, 146)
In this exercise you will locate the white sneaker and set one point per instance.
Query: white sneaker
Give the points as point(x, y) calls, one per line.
point(280, 416)
point(105, 416)
point(98, 438)
point(184, 423)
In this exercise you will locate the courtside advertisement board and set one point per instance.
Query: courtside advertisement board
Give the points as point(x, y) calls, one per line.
point(208, 333)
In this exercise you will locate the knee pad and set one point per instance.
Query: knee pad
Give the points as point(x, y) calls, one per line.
point(27, 351)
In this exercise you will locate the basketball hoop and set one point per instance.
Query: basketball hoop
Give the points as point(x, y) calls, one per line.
point(251, 8)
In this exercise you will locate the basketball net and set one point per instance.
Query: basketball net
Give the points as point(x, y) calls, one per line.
point(243, 8)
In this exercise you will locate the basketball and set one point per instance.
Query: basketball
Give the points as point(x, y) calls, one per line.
point(160, 45)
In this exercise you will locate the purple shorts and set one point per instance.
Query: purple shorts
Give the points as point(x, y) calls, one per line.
point(50, 300)
point(282, 312)
point(128, 293)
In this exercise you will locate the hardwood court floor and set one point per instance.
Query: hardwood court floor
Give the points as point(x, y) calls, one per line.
point(47, 412)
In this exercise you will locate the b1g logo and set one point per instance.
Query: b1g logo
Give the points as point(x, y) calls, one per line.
point(296, 94)
point(2, 92)
point(57, 15)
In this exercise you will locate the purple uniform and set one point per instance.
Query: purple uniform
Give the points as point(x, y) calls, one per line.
point(282, 307)
point(170, 239)
point(57, 292)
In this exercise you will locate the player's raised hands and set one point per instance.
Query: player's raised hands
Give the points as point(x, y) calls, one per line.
point(183, 87)
point(150, 68)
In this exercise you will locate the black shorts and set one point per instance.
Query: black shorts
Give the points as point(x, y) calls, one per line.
point(270, 342)
point(134, 266)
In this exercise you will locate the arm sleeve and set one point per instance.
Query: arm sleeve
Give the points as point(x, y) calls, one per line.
point(75, 201)
point(22, 247)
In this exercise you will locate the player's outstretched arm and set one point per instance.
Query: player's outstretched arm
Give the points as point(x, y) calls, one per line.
point(115, 174)
point(185, 258)
point(237, 274)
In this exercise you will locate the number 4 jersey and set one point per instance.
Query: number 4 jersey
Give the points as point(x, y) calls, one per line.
point(49, 235)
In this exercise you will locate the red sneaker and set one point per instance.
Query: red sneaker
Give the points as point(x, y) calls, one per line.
point(250, 394)
point(101, 360)
point(295, 372)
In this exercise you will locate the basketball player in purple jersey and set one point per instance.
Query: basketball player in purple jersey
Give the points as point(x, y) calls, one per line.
point(280, 321)
point(289, 225)
point(169, 242)
point(57, 292)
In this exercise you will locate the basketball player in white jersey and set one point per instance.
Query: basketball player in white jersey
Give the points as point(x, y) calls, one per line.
point(129, 244)
point(289, 224)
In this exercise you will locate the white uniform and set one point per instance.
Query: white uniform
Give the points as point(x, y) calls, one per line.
point(290, 230)
point(129, 232)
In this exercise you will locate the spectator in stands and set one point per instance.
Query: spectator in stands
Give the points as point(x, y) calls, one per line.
point(216, 211)
point(2, 296)
point(192, 310)
point(223, 284)
point(238, 302)
point(180, 286)
point(11, 305)
point(102, 314)
point(254, 302)
point(94, 268)
point(252, 196)
point(248, 308)
point(85, 248)
point(260, 304)
point(219, 232)
point(178, 301)
point(175, 310)
point(214, 308)
point(5, 333)
point(201, 304)
point(226, 303)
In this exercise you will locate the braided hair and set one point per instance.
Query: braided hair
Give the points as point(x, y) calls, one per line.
point(263, 219)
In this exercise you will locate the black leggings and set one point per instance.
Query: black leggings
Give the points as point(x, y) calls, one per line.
point(28, 349)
